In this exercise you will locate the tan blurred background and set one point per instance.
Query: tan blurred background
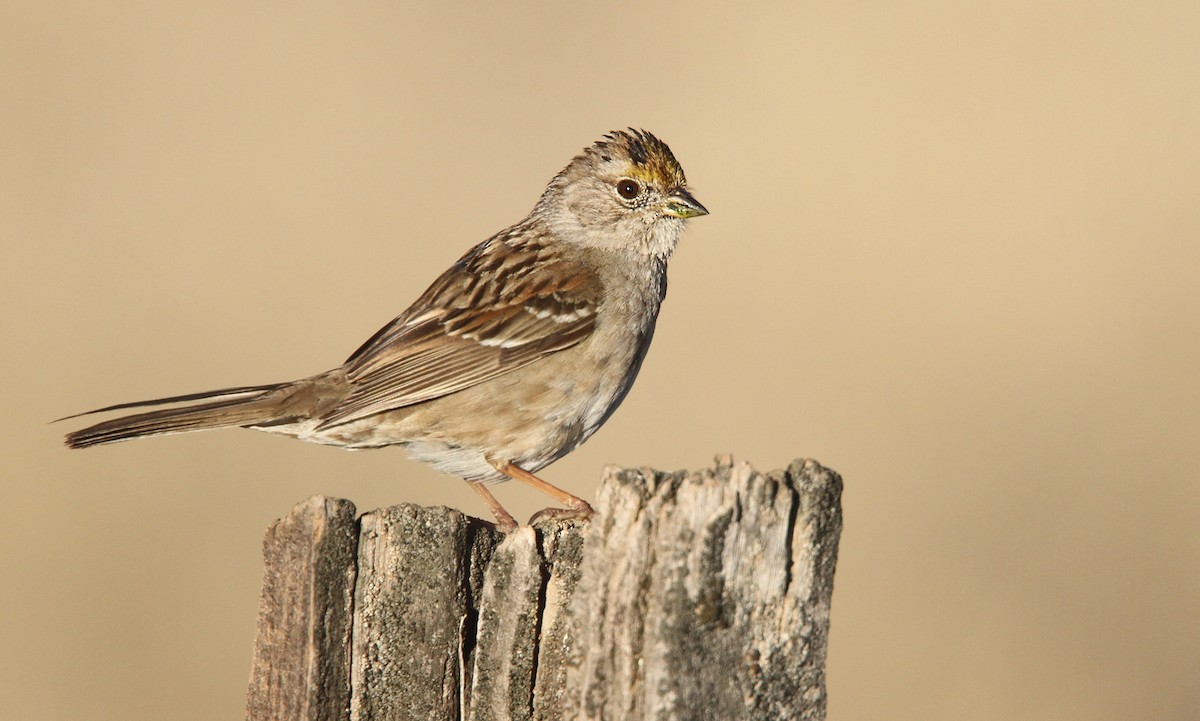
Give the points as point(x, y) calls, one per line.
point(954, 253)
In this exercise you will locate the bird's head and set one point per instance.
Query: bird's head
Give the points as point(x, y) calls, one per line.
point(625, 190)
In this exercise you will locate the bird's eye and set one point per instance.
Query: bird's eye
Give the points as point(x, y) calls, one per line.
point(628, 189)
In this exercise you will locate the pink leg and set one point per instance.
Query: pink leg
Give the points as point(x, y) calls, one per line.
point(575, 507)
point(504, 520)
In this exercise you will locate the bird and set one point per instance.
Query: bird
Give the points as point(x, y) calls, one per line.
point(512, 357)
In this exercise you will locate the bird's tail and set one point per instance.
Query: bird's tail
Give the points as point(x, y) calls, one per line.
point(248, 405)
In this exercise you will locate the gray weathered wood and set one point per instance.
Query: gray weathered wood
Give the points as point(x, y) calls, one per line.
point(506, 639)
point(688, 596)
point(706, 595)
point(420, 571)
point(301, 665)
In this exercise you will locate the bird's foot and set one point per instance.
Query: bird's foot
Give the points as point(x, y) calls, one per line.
point(581, 511)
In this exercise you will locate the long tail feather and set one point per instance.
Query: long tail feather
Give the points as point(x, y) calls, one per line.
point(221, 393)
point(232, 407)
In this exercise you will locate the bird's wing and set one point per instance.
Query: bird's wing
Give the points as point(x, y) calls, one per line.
point(497, 309)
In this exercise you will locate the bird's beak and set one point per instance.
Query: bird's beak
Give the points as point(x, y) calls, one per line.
point(681, 204)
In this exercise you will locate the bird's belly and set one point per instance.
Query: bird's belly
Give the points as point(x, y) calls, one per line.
point(534, 419)
point(528, 417)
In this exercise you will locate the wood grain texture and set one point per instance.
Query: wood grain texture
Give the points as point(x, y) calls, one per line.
point(706, 595)
point(302, 654)
point(689, 596)
point(420, 572)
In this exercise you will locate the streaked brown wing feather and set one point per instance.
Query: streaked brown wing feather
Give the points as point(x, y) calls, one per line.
point(536, 303)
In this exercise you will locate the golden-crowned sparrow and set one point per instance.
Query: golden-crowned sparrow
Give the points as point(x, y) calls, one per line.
point(511, 359)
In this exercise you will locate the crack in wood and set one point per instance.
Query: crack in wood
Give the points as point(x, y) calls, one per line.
point(688, 596)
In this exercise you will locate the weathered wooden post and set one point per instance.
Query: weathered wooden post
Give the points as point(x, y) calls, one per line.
point(688, 596)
